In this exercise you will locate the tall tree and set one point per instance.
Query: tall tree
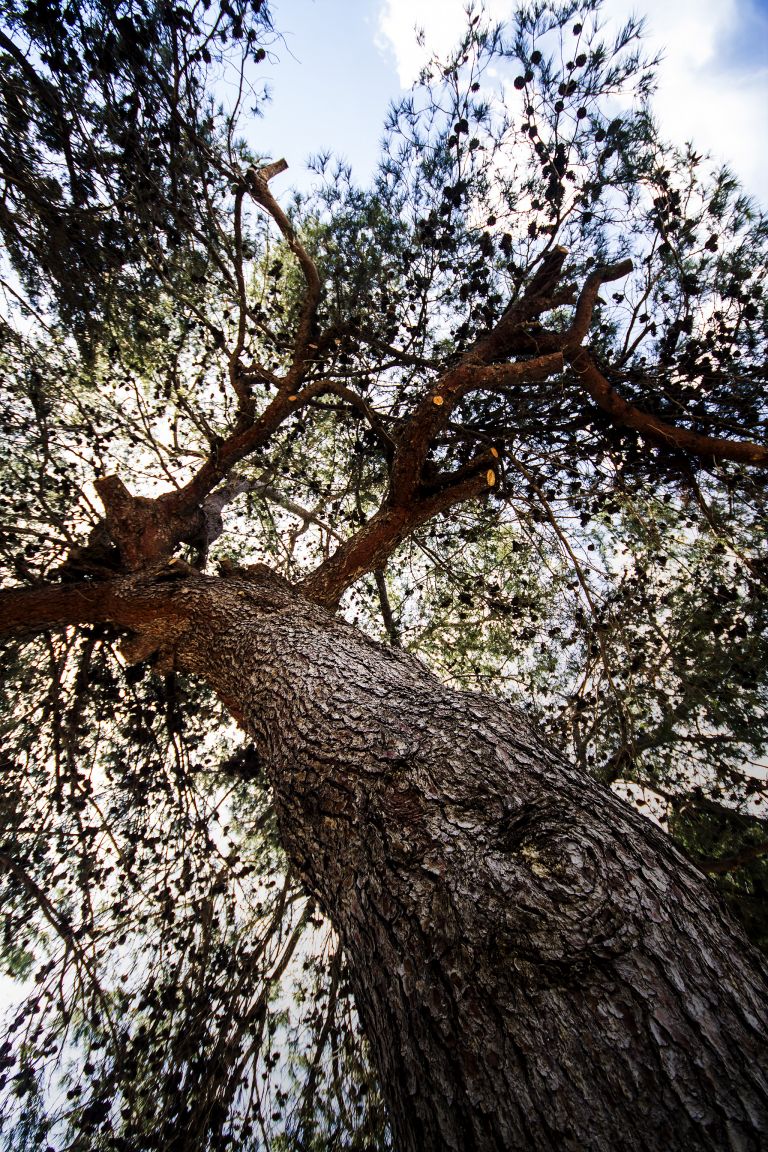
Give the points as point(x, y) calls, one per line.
point(506, 409)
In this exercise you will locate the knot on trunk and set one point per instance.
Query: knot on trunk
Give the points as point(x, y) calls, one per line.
point(558, 865)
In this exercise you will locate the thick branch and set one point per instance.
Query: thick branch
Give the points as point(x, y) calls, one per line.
point(432, 414)
point(479, 370)
point(501, 342)
point(230, 452)
point(588, 298)
point(407, 504)
point(125, 602)
point(368, 549)
point(147, 531)
point(371, 547)
point(653, 429)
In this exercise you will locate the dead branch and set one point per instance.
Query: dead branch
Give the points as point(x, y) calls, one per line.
point(257, 182)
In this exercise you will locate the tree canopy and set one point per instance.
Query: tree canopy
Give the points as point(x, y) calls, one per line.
point(504, 408)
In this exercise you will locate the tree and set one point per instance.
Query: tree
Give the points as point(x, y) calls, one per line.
point(507, 408)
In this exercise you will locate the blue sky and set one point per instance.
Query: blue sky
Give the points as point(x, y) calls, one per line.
point(342, 62)
point(331, 83)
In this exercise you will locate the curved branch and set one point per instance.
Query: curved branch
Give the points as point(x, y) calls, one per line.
point(585, 305)
point(371, 547)
point(398, 354)
point(653, 429)
point(360, 404)
point(267, 492)
point(726, 864)
point(63, 928)
point(431, 415)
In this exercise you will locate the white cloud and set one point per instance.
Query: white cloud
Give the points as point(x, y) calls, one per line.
point(713, 86)
point(712, 90)
point(442, 21)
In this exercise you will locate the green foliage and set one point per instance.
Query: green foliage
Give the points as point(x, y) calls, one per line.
point(185, 994)
point(735, 844)
point(112, 154)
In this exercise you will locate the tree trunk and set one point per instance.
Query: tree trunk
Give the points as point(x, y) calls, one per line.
point(535, 965)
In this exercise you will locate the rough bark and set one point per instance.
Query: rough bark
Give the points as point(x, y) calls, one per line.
point(535, 965)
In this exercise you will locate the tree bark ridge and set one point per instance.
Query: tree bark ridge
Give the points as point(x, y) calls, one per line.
point(535, 965)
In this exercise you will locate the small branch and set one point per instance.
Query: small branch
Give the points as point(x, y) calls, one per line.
point(63, 929)
point(397, 354)
point(257, 182)
point(308, 1102)
point(229, 452)
point(386, 608)
point(241, 389)
point(304, 514)
point(6, 287)
point(356, 401)
point(628, 742)
point(732, 863)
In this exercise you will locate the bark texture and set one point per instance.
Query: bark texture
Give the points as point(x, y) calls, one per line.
point(535, 965)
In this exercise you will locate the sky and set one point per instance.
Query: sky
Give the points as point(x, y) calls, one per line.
point(342, 62)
